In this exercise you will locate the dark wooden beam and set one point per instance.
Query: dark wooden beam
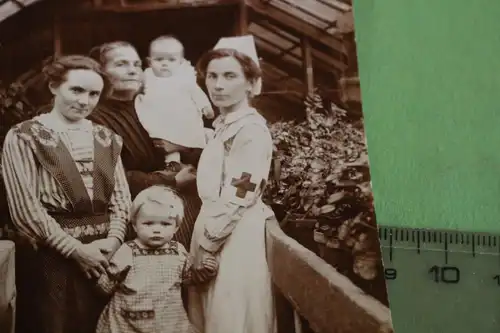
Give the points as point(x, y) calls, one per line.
point(242, 19)
point(294, 69)
point(278, 107)
point(157, 5)
point(57, 32)
point(291, 69)
point(307, 64)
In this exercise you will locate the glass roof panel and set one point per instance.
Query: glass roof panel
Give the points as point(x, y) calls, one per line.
point(9, 7)
point(298, 13)
point(27, 2)
point(321, 14)
point(316, 9)
point(288, 47)
point(341, 5)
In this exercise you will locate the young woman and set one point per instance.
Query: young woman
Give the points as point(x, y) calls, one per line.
point(232, 174)
point(69, 200)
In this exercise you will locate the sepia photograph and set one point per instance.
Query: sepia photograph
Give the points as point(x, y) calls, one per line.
point(185, 166)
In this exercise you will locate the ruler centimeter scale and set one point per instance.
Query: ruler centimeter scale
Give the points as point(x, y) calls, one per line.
point(442, 281)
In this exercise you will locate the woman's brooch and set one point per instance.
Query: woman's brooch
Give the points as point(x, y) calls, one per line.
point(103, 136)
point(43, 135)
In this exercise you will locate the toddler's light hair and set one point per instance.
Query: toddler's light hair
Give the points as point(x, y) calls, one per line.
point(160, 195)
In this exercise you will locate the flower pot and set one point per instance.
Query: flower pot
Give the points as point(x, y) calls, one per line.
point(319, 237)
point(332, 256)
point(350, 89)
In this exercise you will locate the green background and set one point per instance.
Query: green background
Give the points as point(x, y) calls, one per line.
point(430, 78)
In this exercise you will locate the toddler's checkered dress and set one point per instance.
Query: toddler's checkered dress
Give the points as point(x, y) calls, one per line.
point(149, 298)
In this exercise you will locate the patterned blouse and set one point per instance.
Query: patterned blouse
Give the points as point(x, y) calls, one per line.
point(33, 192)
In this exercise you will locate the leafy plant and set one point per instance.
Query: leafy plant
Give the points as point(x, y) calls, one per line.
point(323, 174)
point(14, 108)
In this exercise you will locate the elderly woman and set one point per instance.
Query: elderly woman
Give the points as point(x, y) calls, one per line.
point(232, 174)
point(142, 158)
point(69, 200)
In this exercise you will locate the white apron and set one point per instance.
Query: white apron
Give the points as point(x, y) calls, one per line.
point(239, 299)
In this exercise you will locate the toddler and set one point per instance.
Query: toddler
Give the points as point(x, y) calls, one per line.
point(173, 105)
point(145, 275)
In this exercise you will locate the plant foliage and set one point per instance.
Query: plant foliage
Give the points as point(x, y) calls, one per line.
point(323, 174)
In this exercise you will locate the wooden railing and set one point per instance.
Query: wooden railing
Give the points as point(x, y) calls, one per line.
point(7, 287)
point(327, 300)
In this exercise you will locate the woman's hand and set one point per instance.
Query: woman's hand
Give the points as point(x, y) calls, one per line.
point(91, 260)
point(107, 246)
point(205, 267)
point(200, 258)
point(186, 176)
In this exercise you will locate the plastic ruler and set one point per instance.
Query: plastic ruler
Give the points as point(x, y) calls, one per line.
point(442, 281)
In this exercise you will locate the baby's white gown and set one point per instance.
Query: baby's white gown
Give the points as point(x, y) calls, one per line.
point(170, 109)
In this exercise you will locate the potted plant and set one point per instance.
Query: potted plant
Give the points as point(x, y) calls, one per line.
point(321, 181)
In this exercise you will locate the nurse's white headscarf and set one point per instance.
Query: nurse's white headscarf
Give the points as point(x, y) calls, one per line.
point(246, 46)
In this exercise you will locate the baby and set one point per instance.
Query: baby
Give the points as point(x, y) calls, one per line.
point(173, 105)
point(145, 275)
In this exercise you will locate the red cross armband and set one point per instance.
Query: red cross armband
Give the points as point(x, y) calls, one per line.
point(247, 165)
point(243, 188)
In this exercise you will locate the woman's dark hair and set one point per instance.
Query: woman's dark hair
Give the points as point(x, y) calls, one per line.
point(251, 70)
point(56, 72)
point(100, 53)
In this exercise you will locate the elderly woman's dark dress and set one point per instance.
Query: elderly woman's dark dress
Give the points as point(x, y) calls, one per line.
point(141, 159)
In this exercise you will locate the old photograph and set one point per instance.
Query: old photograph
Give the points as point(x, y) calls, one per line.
point(185, 166)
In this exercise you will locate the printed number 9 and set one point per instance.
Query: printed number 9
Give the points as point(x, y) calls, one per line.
point(390, 273)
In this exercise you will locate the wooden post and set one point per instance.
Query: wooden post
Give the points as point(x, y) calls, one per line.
point(242, 19)
point(57, 32)
point(297, 322)
point(307, 63)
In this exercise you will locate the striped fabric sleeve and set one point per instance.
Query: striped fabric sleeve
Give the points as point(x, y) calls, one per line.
point(119, 204)
point(29, 216)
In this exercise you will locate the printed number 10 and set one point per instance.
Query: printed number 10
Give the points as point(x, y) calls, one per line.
point(445, 274)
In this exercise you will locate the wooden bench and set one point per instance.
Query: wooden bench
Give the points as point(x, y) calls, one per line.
point(329, 301)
